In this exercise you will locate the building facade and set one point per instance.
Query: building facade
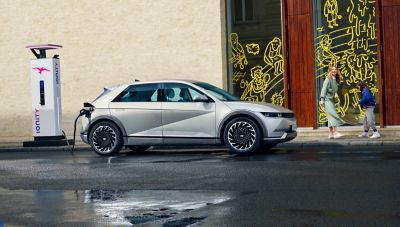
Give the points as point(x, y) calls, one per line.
point(279, 51)
point(261, 50)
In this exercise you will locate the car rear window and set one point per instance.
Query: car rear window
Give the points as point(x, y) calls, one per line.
point(139, 93)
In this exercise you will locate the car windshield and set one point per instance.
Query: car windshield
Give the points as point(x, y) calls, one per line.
point(217, 92)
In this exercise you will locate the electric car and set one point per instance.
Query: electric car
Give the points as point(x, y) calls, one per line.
point(182, 112)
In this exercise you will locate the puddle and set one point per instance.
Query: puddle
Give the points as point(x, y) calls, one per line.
point(137, 207)
point(106, 207)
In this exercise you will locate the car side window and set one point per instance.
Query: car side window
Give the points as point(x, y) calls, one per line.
point(139, 93)
point(174, 92)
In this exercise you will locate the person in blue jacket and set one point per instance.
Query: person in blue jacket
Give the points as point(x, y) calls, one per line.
point(368, 102)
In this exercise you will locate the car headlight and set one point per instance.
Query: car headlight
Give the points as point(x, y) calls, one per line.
point(269, 114)
point(275, 114)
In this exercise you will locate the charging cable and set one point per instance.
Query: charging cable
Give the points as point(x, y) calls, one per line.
point(82, 112)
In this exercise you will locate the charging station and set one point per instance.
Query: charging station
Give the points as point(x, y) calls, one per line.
point(46, 98)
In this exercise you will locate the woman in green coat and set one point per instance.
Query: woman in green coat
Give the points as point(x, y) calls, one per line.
point(327, 97)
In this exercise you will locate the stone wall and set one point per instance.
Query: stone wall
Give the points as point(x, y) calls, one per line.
point(105, 42)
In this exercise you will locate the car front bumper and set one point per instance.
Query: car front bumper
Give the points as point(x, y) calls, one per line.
point(287, 136)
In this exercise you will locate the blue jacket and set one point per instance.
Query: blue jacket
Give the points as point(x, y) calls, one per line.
point(367, 98)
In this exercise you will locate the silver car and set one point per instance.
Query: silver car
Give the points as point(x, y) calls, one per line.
point(180, 112)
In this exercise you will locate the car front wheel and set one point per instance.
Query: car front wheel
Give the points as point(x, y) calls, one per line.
point(105, 139)
point(242, 136)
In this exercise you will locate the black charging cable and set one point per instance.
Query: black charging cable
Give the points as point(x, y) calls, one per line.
point(82, 112)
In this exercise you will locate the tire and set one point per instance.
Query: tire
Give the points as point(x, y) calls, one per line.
point(138, 149)
point(105, 138)
point(242, 136)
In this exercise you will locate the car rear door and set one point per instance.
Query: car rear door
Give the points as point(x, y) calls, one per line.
point(139, 110)
point(185, 121)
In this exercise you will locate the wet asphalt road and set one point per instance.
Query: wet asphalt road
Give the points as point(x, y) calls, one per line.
point(202, 187)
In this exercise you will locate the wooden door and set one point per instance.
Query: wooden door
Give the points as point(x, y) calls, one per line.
point(389, 40)
point(299, 61)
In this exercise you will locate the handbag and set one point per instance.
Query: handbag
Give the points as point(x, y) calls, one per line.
point(336, 98)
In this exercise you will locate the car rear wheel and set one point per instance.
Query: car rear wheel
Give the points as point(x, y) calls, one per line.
point(242, 136)
point(106, 139)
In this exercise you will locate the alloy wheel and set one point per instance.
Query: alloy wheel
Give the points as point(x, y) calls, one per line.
point(241, 135)
point(104, 139)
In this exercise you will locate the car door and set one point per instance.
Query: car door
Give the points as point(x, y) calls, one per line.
point(184, 120)
point(139, 110)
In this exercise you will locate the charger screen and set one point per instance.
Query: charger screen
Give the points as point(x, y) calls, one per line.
point(42, 100)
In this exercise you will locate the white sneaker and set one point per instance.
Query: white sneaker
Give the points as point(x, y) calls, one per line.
point(363, 135)
point(375, 135)
point(337, 135)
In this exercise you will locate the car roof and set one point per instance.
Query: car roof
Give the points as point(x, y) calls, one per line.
point(160, 81)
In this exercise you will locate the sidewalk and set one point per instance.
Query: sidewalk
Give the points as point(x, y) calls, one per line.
point(306, 137)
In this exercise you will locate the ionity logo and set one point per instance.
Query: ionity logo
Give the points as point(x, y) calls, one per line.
point(41, 69)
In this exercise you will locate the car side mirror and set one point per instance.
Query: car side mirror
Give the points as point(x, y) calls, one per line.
point(200, 98)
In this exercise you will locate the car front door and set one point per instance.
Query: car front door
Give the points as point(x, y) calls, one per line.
point(139, 110)
point(184, 120)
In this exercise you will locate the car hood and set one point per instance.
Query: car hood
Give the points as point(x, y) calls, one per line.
point(257, 107)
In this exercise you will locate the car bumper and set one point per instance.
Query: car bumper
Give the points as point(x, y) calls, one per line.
point(287, 136)
point(84, 138)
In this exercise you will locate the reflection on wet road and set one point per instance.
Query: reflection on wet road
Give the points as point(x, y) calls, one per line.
point(110, 207)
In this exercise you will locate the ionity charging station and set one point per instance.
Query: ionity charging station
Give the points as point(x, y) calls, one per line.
point(46, 98)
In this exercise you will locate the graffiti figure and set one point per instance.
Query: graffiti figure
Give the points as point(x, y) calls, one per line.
point(253, 48)
point(362, 6)
point(238, 56)
point(273, 55)
point(256, 89)
point(323, 53)
point(277, 99)
point(331, 13)
point(361, 67)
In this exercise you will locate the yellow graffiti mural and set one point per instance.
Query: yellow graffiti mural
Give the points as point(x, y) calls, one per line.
point(253, 48)
point(238, 57)
point(265, 81)
point(348, 40)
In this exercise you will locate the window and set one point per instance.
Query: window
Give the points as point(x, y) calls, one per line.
point(217, 92)
point(345, 37)
point(243, 10)
point(174, 92)
point(139, 93)
point(255, 50)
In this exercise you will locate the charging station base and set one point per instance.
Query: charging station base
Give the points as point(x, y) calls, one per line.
point(47, 141)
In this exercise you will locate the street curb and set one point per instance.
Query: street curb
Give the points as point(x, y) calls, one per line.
point(33, 149)
point(339, 143)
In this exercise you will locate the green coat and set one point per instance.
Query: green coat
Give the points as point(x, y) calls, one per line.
point(329, 89)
